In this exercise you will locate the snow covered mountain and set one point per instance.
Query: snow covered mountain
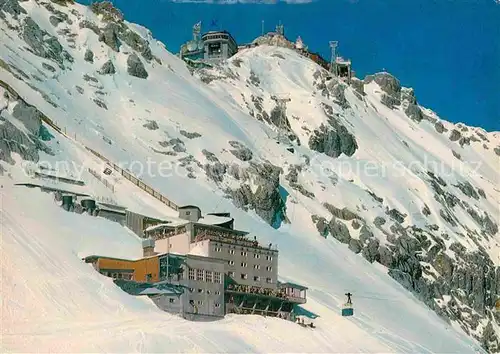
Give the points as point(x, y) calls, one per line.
point(362, 189)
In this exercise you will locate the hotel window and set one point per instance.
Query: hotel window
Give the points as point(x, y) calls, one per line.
point(217, 292)
point(268, 268)
point(200, 274)
point(218, 249)
point(269, 280)
point(256, 278)
point(208, 276)
point(231, 251)
point(200, 302)
point(217, 305)
point(244, 254)
point(171, 300)
point(256, 256)
point(244, 276)
point(243, 264)
point(217, 277)
point(256, 266)
point(269, 258)
point(191, 274)
point(230, 262)
point(200, 291)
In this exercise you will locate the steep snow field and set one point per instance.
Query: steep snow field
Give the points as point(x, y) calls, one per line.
point(53, 301)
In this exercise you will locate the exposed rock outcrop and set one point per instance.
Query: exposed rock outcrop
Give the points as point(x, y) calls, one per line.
point(439, 127)
point(151, 125)
point(471, 280)
point(107, 11)
point(396, 215)
point(240, 151)
point(107, 68)
point(409, 101)
point(89, 56)
point(321, 225)
point(91, 26)
point(189, 135)
point(109, 35)
point(136, 42)
point(48, 67)
point(175, 144)
point(42, 43)
point(26, 144)
point(390, 85)
point(468, 189)
point(389, 101)
point(358, 85)
point(266, 200)
point(333, 140)
point(455, 135)
point(344, 213)
point(293, 178)
point(11, 7)
point(210, 156)
point(135, 67)
point(339, 231)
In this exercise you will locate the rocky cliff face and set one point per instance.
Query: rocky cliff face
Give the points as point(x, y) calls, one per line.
point(459, 283)
point(16, 114)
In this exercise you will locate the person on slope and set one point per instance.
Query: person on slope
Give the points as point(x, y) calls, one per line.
point(349, 298)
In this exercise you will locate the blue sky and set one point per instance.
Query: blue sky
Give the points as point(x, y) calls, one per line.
point(448, 51)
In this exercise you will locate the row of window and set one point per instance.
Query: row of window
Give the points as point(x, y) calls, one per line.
point(126, 276)
point(256, 278)
point(201, 291)
point(200, 302)
point(211, 36)
point(204, 275)
point(243, 248)
point(255, 266)
point(244, 253)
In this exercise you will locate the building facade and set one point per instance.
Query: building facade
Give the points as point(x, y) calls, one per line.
point(342, 68)
point(138, 222)
point(219, 45)
point(247, 262)
point(141, 270)
point(201, 278)
point(195, 269)
point(190, 213)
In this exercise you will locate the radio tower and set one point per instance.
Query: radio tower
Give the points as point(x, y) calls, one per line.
point(333, 46)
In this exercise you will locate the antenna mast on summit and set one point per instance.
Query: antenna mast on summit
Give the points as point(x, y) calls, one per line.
point(262, 32)
point(333, 46)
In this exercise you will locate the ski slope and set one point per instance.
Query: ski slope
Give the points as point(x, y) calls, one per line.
point(53, 301)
